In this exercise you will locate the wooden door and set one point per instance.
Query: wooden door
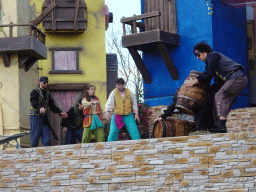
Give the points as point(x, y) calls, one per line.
point(64, 100)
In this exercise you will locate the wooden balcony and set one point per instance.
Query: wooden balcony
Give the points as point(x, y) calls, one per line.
point(156, 30)
point(29, 48)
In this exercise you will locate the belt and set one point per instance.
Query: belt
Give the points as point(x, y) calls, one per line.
point(234, 72)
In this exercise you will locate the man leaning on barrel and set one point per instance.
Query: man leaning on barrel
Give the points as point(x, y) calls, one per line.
point(220, 66)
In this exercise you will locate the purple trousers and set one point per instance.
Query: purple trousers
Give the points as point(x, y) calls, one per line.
point(227, 94)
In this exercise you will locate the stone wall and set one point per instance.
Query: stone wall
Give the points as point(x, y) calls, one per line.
point(243, 119)
point(214, 162)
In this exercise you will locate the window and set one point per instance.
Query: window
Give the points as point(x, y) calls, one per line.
point(65, 60)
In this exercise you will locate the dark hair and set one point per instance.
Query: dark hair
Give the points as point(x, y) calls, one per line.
point(87, 96)
point(120, 80)
point(203, 47)
point(80, 101)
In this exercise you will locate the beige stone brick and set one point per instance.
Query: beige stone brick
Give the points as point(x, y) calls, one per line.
point(99, 146)
point(12, 151)
point(146, 167)
point(50, 173)
point(24, 160)
point(77, 147)
point(204, 172)
point(175, 151)
point(108, 177)
point(182, 161)
point(107, 156)
point(140, 173)
point(120, 147)
point(24, 185)
point(113, 187)
point(70, 168)
point(68, 153)
point(252, 147)
point(233, 136)
point(78, 171)
point(24, 174)
point(120, 153)
point(65, 163)
point(213, 149)
point(216, 180)
point(7, 180)
point(111, 169)
point(178, 176)
point(205, 143)
point(242, 179)
point(100, 171)
point(254, 161)
point(92, 179)
point(242, 135)
point(139, 158)
point(35, 183)
point(73, 176)
point(124, 174)
point(190, 170)
point(40, 150)
point(160, 189)
point(130, 181)
point(118, 158)
point(176, 139)
point(57, 152)
point(21, 151)
point(227, 174)
point(184, 183)
point(3, 185)
point(55, 183)
point(135, 148)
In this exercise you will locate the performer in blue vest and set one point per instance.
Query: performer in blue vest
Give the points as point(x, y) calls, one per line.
point(41, 101)
point(230, 72)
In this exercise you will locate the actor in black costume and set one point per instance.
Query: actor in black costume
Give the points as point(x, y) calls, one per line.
point(231, 73)
point(41, 101)
point(73, 125)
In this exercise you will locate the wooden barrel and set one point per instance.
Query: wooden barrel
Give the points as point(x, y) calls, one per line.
point(173, 127)
point(191, 99)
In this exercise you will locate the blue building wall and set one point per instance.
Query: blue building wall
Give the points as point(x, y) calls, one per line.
point(194, 25)
point(229, 38)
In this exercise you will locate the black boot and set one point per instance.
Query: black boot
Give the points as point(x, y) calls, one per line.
point(222, 127)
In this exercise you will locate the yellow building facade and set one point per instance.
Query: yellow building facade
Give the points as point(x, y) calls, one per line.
point(16, 84)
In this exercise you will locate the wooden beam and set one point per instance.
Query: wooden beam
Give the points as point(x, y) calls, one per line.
point(142, 16)
point(140, 65)
point(22, 60)
point(44, 14)
point(30, 63)
point(168, 61)
point(6, 58)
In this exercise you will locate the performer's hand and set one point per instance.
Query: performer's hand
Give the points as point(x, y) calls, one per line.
point(64, 115)
point(190, 82)
point(158, 119)
point(137, 117)
point(108, 115)
point(65, 129)
point(42, 110)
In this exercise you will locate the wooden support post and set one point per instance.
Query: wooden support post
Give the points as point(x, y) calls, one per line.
point(140, 65)
point(10, 29)
point(44, 14)
point(6, 59)
point(168, 61)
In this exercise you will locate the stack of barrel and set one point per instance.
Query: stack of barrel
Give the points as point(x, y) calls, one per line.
point(189, 101)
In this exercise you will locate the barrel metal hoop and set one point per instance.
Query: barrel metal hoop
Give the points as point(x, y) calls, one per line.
point(186, 97)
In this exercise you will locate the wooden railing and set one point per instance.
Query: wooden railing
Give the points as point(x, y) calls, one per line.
point(33, 31)
point(134, 24)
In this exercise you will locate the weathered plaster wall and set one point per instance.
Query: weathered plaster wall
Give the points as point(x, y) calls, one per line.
point(15, 83)
point(220, 162)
